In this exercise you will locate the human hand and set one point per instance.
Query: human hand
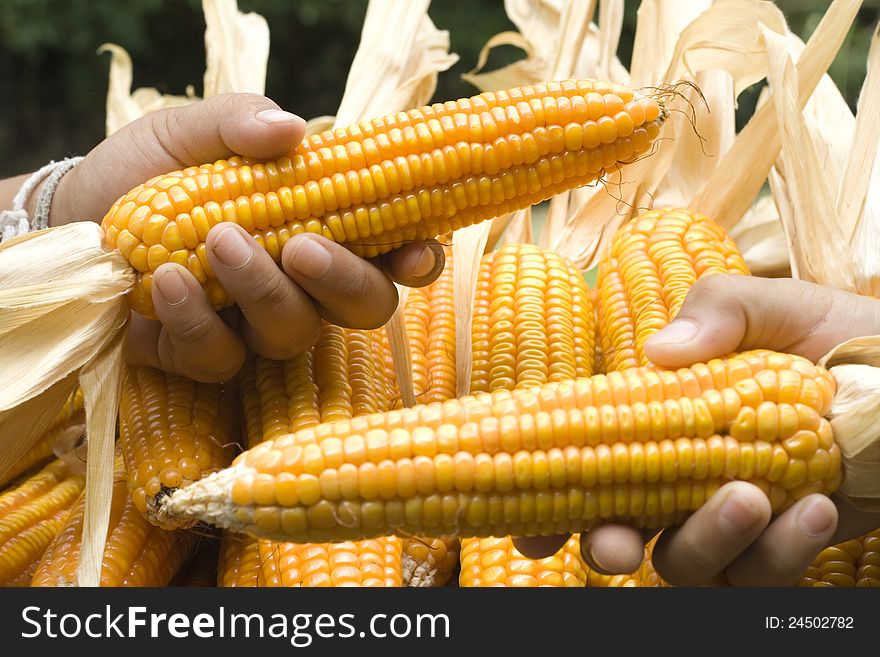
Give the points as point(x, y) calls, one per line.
point(279, 309)
point(733, 532)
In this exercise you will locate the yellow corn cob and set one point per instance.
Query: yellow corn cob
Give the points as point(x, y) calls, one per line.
point(533, 320)
point(429, 316)
point(496, 562)
point(375, 563)
point(598, 362)
point(31, 514)
point(377, 184)
point(643, 281)
point(429, 562)
point(136, 554)
point(641, 446)
point(239, 564)
point(173, 431)
point(342, 376)
point(852, 563)
point(70, 418)
point(653, 263)
point(533, 323)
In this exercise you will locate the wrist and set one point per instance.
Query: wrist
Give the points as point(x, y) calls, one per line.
point(64, 202)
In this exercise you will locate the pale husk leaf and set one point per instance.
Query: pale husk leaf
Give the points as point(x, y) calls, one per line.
point(540, 24)
point(858, 205)
point(727, 37)
point(855, 417)
point(596, 211)
point(63, 317)
point(738, 177)
point(123, 106)
point(519, 229)
point(401, 355)
point(468, 245)
point(397, 61)
point(810, 221)
point(761, 240)
point(236, 49)
point(101, 380)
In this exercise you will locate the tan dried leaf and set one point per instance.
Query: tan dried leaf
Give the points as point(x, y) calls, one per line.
point(125, 106)
point(236, 49)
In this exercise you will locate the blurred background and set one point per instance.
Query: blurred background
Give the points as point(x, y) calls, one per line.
point(53, 84)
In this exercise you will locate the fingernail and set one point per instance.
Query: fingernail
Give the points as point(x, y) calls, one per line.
point(270, 116)
point(171, 287)
point(735, 516)
point(232, 249)
point(596, 562)
point(679, 331)
point(310, 258)
point(814, 518)
point(425, 264)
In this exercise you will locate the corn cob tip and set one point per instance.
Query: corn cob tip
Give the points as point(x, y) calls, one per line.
point(205, 500)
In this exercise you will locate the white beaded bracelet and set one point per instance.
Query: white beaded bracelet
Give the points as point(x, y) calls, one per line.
point(15, 222)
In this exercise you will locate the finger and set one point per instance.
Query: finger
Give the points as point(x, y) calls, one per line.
point(280, 319)
point(347, 290)
point(162, 141)
point(613, 549)
point(788, 546)
point(193, 340)
point(726, 313)
point(713, 536)
point(538, 547)
point(414, 265)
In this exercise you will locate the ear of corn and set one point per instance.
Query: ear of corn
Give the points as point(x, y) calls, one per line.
point(496, 562)
point(70, 418)
point(239, 564)
point(533, 320)
point(372, 563)
point(642, 446)
point(848, 564)
point(533, 323)
point(31, 514)
point(429, 562)
point(654, 261)
point(136, 553)
point(173, 431)
point(377, 184)
point(642, 282)
point(429, 316)
point(344, 375)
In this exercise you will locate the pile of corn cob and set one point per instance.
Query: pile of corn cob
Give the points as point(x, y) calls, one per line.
point(374, 494)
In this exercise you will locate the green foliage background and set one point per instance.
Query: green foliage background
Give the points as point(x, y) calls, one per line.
point(53, 84)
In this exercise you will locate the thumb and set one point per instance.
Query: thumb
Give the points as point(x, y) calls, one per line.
point(169, 139)
point(726, 313)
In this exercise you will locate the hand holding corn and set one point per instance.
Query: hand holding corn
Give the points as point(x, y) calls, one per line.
point(279, 309)
point(733, 532)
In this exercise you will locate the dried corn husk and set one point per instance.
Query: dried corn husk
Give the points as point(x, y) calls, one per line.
point(236, 50)
point(63, 317)
point(739, 176)
point(855, 417)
